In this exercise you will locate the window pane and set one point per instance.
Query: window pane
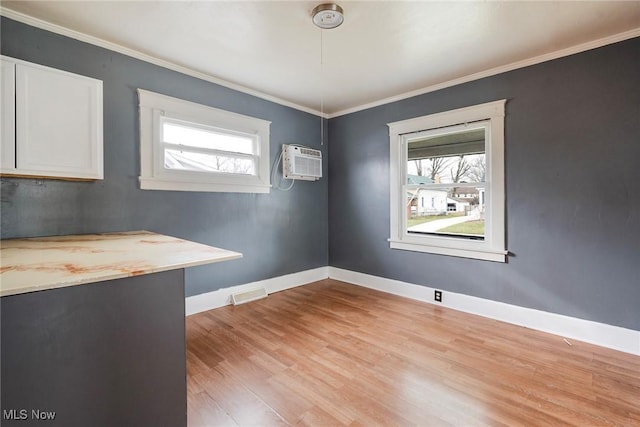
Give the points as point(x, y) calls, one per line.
point(448, 157)
point(453, 211)
point(465, 168)
point(197, 137)
point(199, 162)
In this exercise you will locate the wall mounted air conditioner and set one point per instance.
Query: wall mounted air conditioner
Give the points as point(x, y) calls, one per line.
point(301, 163)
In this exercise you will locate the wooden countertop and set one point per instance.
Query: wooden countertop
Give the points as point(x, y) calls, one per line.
point(40, 263)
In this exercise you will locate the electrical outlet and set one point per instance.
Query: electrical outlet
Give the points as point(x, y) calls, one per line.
point(437, 296)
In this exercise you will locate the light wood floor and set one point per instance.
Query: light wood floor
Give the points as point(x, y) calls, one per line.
point(330, 354)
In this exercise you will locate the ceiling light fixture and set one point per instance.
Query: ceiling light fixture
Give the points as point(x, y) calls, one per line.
point(327, 16)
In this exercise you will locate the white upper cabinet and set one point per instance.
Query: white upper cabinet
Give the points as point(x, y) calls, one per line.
point(8, 113)
point(51, 122)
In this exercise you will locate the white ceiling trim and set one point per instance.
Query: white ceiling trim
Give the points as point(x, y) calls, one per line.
point(54, 28)
point(45, 25)
point(497, 70)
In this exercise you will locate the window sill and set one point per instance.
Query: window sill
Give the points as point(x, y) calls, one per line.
point(159, 184)
point(485, 255)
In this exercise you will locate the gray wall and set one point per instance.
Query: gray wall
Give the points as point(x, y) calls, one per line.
point(572, 181)
point(278, 233)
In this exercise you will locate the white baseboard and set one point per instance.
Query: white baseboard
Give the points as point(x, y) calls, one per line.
point(222, 297)
point(614, 337)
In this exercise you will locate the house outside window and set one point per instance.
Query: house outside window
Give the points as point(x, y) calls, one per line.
point(457, 159)
point(192, 147)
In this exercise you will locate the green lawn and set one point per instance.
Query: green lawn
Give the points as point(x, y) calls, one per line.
point(469, 227)
point(422, 219)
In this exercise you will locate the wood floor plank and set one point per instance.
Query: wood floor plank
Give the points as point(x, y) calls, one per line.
point(316, 417)
point(233, 397)
point(333, 354)
point(203, 411)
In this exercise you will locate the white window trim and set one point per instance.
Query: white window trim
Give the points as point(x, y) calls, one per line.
point(492, 248)
point(153, 174)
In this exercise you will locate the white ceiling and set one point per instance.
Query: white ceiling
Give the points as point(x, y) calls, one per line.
point(383, 49)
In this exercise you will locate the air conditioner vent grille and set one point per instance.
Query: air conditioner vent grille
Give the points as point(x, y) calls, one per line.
point(309, 152)
point(301, 163)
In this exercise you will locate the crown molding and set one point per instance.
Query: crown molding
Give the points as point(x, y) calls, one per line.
point(497, 70)
point(54, 28)
point(58, 29)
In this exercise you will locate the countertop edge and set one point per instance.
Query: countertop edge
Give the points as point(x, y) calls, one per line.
point(90, 249)
point(115, 276)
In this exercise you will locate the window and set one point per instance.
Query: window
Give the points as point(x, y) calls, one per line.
point(457, 159)
point(192, 147)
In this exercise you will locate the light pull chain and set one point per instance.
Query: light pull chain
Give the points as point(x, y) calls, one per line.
point(321, 91)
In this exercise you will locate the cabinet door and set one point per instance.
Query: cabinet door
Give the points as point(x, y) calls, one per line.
point(7, 116)
point(58, 123)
